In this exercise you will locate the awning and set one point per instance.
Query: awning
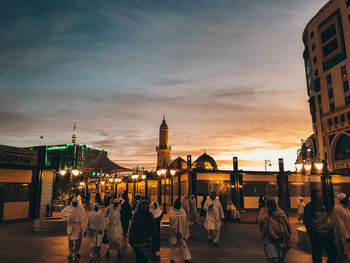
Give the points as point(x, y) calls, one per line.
point(102, 162)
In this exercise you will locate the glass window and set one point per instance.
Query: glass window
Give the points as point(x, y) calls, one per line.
point(328, 33)
point(312, 34)
point(316, 72)
point(347, 100)
point(348, 4)
point(315, 60)
point(330, 122)
point(330, 47)
point(329, 79)
point(319, 99)
point(324, 141)
point(321, 112)
point(342, 118)
point(330, 93)
point(335, 120)
point(317, 83)
point(313, 47)
point(332, 106)
point(346, 86)
point(348, 116)
point(343, 72)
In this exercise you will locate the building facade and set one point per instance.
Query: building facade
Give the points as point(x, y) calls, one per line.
point(327, 44)
point(19, 183)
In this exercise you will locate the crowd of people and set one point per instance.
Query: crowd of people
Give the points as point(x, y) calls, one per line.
point(328, 231)
point(141, 222)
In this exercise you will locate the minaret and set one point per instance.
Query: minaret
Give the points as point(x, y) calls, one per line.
point(74, 136)
point(163, 150)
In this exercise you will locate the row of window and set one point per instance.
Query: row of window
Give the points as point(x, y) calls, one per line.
point(338, 119)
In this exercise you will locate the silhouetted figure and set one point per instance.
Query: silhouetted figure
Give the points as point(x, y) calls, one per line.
point(157, 216)
point(125, 214)
point(316, 224)
point(141, 232)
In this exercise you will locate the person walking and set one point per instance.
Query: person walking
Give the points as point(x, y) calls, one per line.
point(186, 206)
point(213, 219)
point(193, 209)
point(316, 224)
point(179, 231)
point(95, 227)
point(275, 230)
point(74, 216)
point(233, 213)
point(261, 204)
point(141, 232)
point(340, 221)
point(203, 213)
point(114, 231)
point(107, 200)
point(157, 216)
point(301, 206)
point(125, 213)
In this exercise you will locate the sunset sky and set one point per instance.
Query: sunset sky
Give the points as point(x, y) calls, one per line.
point(227, 74)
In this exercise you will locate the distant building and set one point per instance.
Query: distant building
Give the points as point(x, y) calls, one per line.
point(67, 156)
point(327, 46)
point(164, 149)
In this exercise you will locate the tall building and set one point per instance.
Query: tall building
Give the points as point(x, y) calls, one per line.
point(67, 156)
point(327, 41)
point(164, 149)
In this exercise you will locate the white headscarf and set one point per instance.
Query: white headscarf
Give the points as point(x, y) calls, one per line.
point(96, 219)
point(155, 211)
point(73, 214)
point(341, 196)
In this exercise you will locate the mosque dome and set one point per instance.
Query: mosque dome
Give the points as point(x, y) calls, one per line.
point(180, 163)
point(205, 162)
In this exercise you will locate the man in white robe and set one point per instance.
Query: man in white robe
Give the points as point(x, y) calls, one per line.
point(114, 231)
point(213, 219)
point(95, 226)
point(340, 221)
point(179, 231)
point(193, 209)
point(74, 216)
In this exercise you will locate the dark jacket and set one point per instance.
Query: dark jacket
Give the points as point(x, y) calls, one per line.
point(315, 220)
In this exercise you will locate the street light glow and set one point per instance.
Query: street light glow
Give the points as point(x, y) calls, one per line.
point(159, 172)
point(319, 166)
point(172, 172)
point(75, 172)
point(118, 180)
point(298, 167)
point(63, 172)
point(143, 177)
point(134, 176)
point(307, 167)
point(163, 171)
point(102, 182)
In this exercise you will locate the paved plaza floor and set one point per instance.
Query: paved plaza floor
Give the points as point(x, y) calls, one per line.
point(239, 243)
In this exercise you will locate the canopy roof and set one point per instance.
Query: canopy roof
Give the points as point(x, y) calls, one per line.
point(102, 162)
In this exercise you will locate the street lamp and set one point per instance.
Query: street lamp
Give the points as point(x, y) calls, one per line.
point(134, 176)
point(165, 172)
point(143, 176)
point(63, 172)
point(75, 172)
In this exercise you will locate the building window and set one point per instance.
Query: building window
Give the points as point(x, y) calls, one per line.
point(316, 72)
point(342, 118)
point(319, 99)
point(324, 142)
point(347, 3)
point(313, 47)
point(328, 33)
point(349, 17)
point(330, 47)
point(325, 156)
point(336, 120)
point(347, 100)
point(329, 79)
point(321, 112)
point(343, 72)
point(330, 93)
point(346, 86)
point(315, 60)
point(332, 106)
point(312, 34)
point(330, 122)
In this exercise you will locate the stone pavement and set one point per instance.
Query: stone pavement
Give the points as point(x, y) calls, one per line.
point(239, 243)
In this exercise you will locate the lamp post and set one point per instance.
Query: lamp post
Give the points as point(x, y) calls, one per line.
point(73, 172)
point(166, 173)
point(308, 168)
